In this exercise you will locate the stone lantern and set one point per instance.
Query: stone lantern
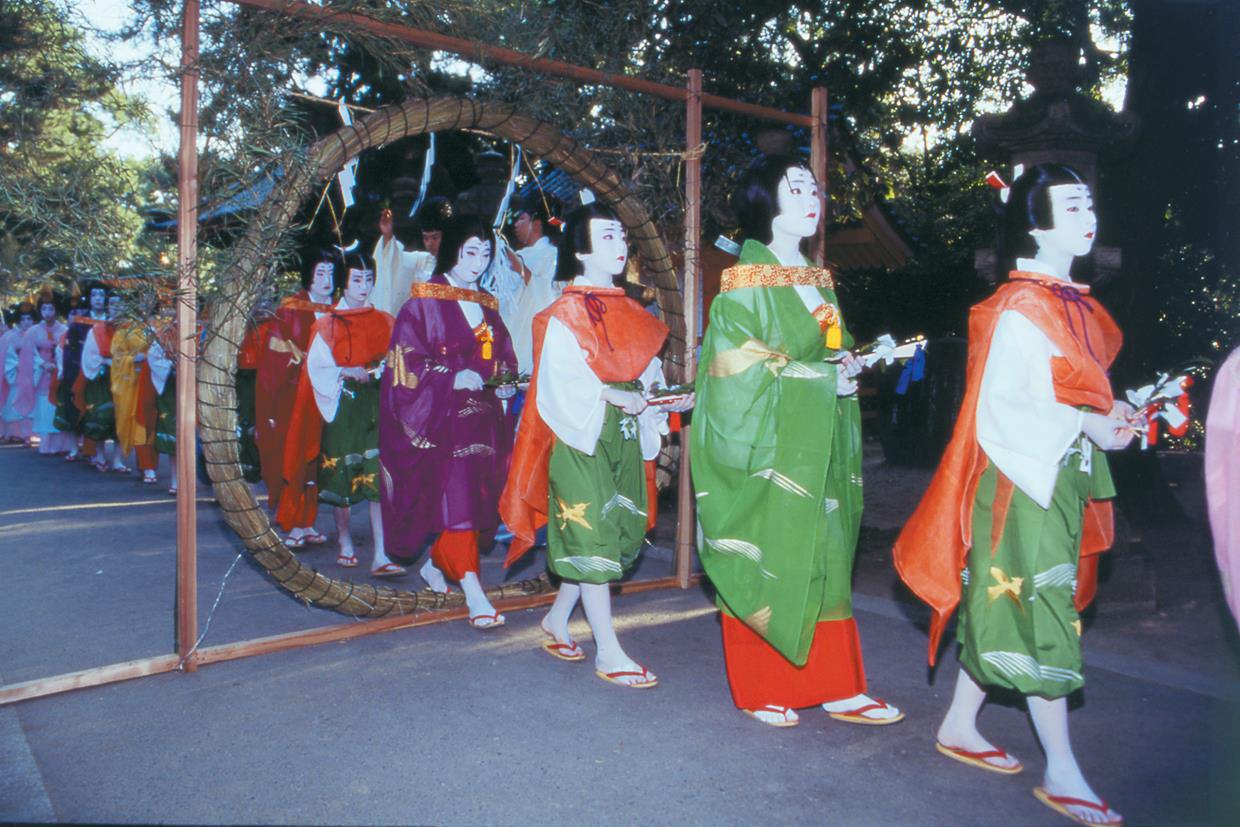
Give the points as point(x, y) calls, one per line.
point(1057, 123)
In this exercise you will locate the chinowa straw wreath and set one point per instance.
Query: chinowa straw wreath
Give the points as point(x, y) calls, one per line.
point(253, 258)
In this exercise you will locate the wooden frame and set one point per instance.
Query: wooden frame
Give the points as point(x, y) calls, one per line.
point(188, 657)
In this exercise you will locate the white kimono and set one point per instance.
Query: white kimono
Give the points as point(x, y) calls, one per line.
point(395, 272)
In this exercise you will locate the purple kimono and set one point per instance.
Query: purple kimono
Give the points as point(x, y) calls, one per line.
point(443, 453)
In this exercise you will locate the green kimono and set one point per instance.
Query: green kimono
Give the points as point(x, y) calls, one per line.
point(776, 454)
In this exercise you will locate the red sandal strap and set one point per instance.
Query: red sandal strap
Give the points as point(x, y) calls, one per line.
point(642, 674)
point(861, 710)
point(990, 753)
point(1069, 801)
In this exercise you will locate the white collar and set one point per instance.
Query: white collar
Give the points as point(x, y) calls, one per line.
point(1032, 265)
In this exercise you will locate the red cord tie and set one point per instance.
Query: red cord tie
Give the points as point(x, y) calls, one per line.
point(596, 309)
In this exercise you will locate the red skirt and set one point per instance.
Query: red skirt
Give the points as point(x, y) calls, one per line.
point(759, 675)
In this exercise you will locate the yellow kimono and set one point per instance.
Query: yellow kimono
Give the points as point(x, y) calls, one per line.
point(134, 426)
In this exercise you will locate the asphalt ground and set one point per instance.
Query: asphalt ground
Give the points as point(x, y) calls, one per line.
point(443, 724)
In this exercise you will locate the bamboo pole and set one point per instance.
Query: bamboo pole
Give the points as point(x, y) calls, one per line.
point(187, 343)
point(818, 163)
point(686, 521)
point(473, 49)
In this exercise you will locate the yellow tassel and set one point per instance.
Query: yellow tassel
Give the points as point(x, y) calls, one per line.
point(486, 350)
point(835, 337)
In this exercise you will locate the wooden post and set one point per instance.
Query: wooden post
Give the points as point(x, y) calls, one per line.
point(187, 343)
point(686, 513)
point(819, 142)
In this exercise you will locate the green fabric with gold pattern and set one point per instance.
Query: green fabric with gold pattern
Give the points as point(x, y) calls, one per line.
point(349, 460)
point(776, 463)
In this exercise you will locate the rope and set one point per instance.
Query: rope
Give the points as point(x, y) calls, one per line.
point(210, 615)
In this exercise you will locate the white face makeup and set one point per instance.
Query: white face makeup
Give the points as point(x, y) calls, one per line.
point(47, 311)
point(321, 279)
point(800, 207)
point(609, 251)
point(98, 300)
point(473, 261)
point(357, 288)
point(1073, 222)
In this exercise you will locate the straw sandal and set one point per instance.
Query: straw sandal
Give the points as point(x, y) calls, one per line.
point(858, 716)
point(645, 678)
point(786, 715)
point(1061, 803)
point(981, 760)
point(484, 623)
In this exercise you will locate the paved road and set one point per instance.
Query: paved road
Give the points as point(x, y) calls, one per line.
point(446, 725)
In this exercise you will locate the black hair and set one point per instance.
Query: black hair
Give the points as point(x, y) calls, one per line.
point(327, 255)
point(542, 207)
point(27, 308)
point(756, 197)
point(456, 231)
point(53, 297)
point(346, 261)
point(434, 214)
point(576, 238)
point(1029, 207)
point(91, 285)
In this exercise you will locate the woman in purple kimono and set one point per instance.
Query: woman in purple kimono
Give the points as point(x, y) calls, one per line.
point(444, 435)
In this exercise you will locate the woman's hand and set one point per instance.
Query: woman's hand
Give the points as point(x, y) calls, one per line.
point(1108, 433)
point(851, 364)
point(631, 402)
point(467, 380)
point(845, 385)
point(1122, 410)
point(682, 405)
point(356, 373)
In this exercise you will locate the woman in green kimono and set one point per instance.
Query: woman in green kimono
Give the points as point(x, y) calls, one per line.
point(777, 464)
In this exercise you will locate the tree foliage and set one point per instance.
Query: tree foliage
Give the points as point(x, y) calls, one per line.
point(68, 205)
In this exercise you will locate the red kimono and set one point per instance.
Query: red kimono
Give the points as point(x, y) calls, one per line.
point(283, 341)
point(358, 338)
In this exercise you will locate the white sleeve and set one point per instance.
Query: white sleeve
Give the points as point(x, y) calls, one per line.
point(92, 360)
point(325, 377)
point(395, 272)
point(39, 365)
point(653, 420)
point(1022, 428)
point(12, 360)
point(60, 361)
point(528, 301)
point(569, 397)
point(161, 366)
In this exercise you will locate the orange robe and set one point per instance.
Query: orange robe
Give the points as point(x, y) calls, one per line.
point(357, 337)
point(933, 546)
point(619, 343)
